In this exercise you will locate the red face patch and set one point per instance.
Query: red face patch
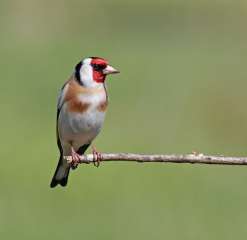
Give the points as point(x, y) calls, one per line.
point(98, 65)
point(96, 60)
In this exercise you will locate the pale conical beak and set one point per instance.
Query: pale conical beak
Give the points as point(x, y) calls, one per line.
point(110, 70)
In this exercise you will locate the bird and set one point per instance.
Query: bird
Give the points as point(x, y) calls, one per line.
point(81, 108)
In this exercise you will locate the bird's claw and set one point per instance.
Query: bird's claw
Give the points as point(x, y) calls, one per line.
point(76, 160)
point(97, 157)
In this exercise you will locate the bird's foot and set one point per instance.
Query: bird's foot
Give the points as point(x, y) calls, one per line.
point(97, 157)
point(75, 159)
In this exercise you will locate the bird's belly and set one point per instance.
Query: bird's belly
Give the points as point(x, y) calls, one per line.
point(80, 128)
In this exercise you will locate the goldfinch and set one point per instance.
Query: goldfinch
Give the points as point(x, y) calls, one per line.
point(81, 109)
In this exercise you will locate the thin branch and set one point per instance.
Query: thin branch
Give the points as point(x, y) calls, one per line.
point(143, 158)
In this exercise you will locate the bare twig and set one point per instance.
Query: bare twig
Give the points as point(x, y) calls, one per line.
point(142, 158)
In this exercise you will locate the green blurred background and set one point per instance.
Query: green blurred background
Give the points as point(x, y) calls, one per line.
point(182, 87)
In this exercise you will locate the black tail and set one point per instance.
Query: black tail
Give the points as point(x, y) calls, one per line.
point(61, 174)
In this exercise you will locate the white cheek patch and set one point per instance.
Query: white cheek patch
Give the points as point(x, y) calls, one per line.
point(86, 74)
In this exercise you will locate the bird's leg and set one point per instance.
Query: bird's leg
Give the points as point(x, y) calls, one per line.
point(75, 158)
point(97, 157)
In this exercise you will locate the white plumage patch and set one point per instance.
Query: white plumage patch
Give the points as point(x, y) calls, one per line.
point(86, 73)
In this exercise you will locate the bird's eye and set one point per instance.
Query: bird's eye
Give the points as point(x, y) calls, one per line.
point(98, 67)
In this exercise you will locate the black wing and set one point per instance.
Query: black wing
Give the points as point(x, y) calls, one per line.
point(57, 134)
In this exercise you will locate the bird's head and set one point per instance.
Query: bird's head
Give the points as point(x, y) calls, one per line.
point(92, 71)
